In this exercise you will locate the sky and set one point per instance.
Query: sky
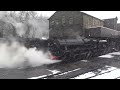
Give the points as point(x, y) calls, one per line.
point(98, 14)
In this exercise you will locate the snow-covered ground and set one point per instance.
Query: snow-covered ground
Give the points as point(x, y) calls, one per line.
point(106, 56)
point(43, 76)
point(108, 73)
point(115, 53)
point(96, 73)
point(110, 55)
point(69, 72)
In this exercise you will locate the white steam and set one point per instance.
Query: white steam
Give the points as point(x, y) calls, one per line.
point(20, 29)
point(31, 28)
point(18, 56)
point(2, 14)
point(39, 28)
point(15, 55)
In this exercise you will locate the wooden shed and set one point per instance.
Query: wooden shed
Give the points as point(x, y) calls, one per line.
point(71, 24)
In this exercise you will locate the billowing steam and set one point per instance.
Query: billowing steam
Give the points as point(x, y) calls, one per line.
point(39, 28)
point(31, 28)
point(16, 55)
point(21, 28)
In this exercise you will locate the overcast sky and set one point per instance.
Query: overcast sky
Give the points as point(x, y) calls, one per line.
point(98, 14)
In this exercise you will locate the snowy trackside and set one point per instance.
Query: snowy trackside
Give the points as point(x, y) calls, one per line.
point(110, 75)
point(44, 76)
point(55, 73)
point(107, 72)
point(95, 73)
point(110, 55)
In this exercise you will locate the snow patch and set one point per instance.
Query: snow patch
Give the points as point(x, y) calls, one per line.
point(92, 74)
point(69, 71)
point(84, 60)
point(54, 71)
point(115, 53)
point(110, 75)
point(38, 77)
point(110, 55)
point(43, 76)
point(106, 56)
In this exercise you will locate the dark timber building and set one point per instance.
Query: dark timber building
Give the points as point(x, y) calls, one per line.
point(72, 24)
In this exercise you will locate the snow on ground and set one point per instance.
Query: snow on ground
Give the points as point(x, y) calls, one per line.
point(111, 75)
point(38, 77)
point(54, 71)
point(43, 76)
point(98, 72)
point(84, 61)
point(106, 56)
point(110, 55)
point(69, 72)
point(118, 78)
point(107, 72)
point(115, 53)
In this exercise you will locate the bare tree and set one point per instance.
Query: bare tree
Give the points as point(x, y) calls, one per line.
point(33, 22)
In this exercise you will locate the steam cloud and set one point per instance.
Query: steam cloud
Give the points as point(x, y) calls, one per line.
point(16, 55)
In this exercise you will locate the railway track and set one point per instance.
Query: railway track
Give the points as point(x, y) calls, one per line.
point(106, 72)
point(53, 75)
point(66, 75)
point(99, 68)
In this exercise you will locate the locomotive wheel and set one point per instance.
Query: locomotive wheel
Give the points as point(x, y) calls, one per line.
point(67, 56)
point(79, 57)
point(84, 55)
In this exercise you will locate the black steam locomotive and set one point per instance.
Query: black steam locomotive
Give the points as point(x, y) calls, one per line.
point(75, 35)
point(84, 48)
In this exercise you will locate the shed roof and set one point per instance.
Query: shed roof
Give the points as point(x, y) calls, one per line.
point(80, 12)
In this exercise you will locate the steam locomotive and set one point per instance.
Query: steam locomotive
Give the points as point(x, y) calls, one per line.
point(75, 35)
point(92, 45)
